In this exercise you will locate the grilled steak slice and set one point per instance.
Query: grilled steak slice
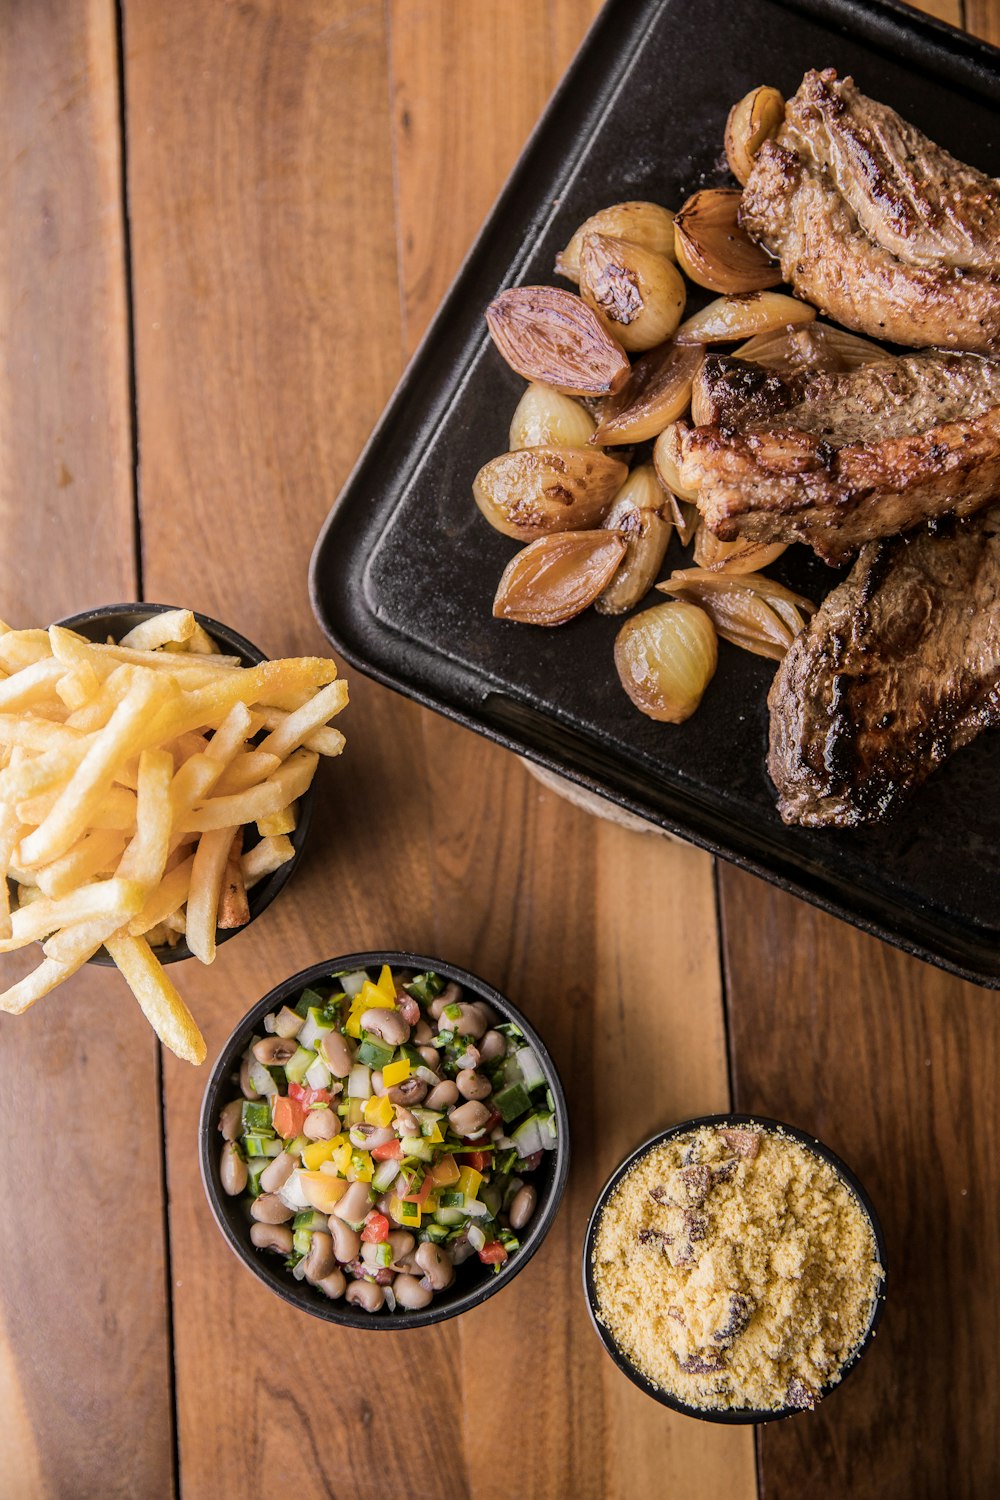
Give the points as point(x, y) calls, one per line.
point(899, 668)
point(836, 460)
point(876, 224)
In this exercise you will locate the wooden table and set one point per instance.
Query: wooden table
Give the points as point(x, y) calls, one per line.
point(225, 226)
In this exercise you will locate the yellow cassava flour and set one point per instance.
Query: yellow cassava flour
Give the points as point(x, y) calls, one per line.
point(735, 1268)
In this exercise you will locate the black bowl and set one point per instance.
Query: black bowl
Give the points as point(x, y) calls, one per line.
point(117, 620)
point(473, 1281)
point(743, 1415)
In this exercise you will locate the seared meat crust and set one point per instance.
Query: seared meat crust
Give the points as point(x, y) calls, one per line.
point(899, 668)
point(836, 460)
point(879, 227)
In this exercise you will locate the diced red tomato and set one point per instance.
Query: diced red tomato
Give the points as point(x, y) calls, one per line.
point(308, 1096)
point(391, 1151)
point(479, 1160)
point(529, 1163)
point(287, 1116)
point(376, 1228)
point(495, 1119)
point(493, 1255)
point(422, 1193)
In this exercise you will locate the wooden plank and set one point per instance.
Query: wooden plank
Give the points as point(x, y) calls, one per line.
point(894, 1064)
point(84, 1359)
point(982, 18)
point(268, 339)
point(572, 917)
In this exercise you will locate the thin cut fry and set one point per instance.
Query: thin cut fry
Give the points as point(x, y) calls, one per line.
point(271, 796)
point(100, 898)
point(200, 643)
point(146, 856)
point(74, 810)
point(277, 823)
point(77, 686)
point(246, 770)
point(99, 850)
point(207, 875)
point(171, 893)
point(32, 685)
point(266, 857)
point(303, 721)
point(161, 1004)
point(158, 630)
point(39, 982)
point(234, 909)
point(10, 832)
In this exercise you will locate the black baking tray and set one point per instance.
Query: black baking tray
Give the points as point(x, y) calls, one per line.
point(405, 569)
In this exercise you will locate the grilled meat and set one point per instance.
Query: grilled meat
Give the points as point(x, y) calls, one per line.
point(836, 460)
point(875, 224)
point(899, 668)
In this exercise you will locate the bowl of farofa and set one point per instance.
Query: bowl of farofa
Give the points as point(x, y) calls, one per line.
point(734, 1268)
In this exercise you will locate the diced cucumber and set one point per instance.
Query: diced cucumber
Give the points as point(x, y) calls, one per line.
point(415, 1147)
point(261, 1146)
point(298, 1145)
point(450, 1218)
point(436, 1233)
point(309, 1000)
point(262, 1080)
point(316, 1026)
point(351, 984)
point(375, 1053)
point(311, 1220)
point(298, 1063)
point(301, 1240)
point(549, 1131)
point(427, 1119)
point(385, 1175)
point(318, 1075)
point(530, 1068)
point(254, 1169)
point(528, 1137)
point(425, 987)
point(512, 1101)
point(256, 1117)
point(451, 1200)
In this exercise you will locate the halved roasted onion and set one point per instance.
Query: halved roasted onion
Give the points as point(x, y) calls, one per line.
point(656, 393)
point(637, 516)
point(811, 346)
point(740, 556)
point(666, 457)
point(730, 318)
point(540, 490)
point(748, 609)
point(558, 576)
point(550, 335)
point(714, 251)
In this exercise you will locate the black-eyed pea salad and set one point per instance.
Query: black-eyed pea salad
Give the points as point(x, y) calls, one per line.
point(387, 1133)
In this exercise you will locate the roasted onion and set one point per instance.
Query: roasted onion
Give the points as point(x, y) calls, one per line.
point(756, 118)
point(557, 576)
point(657, 392)
point(714, 251)
point(738, 317)
point(812, 346)
point(666, 657)
point(637, 516)
point(540, 490)
point(748, 609)
point(552, 336)
point(639, 294)
point(546, 418)
point(641, 223)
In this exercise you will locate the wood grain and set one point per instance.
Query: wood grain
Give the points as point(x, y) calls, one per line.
point(580, 922)
point(84, 1360)
point(250, 410)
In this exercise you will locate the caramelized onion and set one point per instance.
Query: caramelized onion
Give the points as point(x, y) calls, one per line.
point(756, 118)
point(714, 251)
point(540, 490)
point(637, 517)
point(557, 576)
point(657, 392)
point(666, 657)
point(666, 457)
point(546, 418)
point(641, 223)
point(748, 609)
point(552, 336)
point(812, 346)
point(738, 317)
point(740, 556)
point(638, 293)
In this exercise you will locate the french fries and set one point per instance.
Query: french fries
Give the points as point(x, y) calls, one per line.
point(130, 776)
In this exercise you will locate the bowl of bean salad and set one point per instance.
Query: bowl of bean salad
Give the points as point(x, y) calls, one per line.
point(384, 1140)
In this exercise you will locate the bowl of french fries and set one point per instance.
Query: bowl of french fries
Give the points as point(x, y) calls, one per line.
point(155, 792)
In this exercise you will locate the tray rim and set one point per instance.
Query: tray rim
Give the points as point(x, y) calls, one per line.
point(961, 959)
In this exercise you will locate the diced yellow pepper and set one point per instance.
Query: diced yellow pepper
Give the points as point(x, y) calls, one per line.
point(352, 1026)
point(395, 1072)
point(435, 1138)
point(430, 1203)
point(469, 1181)
point(360, 1169)
point(373, 997)
point(379, 1111)
point(342, 1154)
point(316, 1153)
point(409, 1214)
point(355, 1112)
point(445, 1172)
point(387, 984)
